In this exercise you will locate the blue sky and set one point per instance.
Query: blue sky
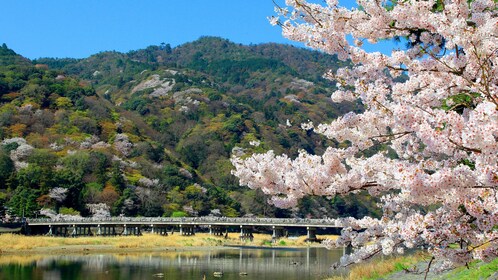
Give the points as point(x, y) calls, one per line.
point(79, 28)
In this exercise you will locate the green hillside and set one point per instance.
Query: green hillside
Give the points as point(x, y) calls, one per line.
point(150, 132)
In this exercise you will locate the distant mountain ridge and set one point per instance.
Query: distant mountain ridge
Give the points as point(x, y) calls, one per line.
point(150, 132)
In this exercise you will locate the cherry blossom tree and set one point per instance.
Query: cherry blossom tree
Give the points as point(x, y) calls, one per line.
point(99, 210)
point(20, 153)
point(122, 144)
point(59, 194)
point(59, 217)
point(433, 105)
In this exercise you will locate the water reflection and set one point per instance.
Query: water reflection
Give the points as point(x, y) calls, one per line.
point(274, 264)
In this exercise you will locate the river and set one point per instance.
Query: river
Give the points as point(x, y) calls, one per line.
point(233, 263)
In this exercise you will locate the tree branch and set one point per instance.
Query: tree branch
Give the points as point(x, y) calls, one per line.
point(428, 268)
point(391, 136)
point(461, 147)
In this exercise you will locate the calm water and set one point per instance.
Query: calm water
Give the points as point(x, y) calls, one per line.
point(271, 264)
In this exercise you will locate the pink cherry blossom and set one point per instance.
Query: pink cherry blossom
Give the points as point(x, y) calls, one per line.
point(441, 120)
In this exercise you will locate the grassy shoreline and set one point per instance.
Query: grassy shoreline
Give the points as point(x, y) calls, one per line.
point(380, 268)
point(20, 244)
point(393, 268)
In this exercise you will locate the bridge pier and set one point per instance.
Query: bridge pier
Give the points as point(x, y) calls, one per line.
point(73, 232)
point(311, 234)
point(64, 230)
point(277, 232)
point(187, 230)
point(106, 230)
point(50, 230)
point(56, 230)
point(161, 230)
point(86, 230)
point(111, 231)
point(81, 230)
point(246, 233)
point(131, 230)
point(135, 231)
point(216, 230)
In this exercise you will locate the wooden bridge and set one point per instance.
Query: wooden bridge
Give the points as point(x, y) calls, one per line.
point(185, 226)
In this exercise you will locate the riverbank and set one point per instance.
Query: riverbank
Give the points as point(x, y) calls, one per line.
point(381, 268)
point(19, 244)
point(393, 268)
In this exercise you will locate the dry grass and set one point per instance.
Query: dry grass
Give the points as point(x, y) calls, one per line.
point(378, 268)
point(12, 242)
point(298, 242)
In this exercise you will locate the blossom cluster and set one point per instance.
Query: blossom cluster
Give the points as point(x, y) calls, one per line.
point(59, 194)
point(59, 217)
point(122, 144)
point(20, 153)
point(433, 105)
point(99, 210)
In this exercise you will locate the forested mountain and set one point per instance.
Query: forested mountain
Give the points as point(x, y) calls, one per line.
point(150, 132)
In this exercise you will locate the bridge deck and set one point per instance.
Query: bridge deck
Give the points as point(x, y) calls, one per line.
point(214, 221)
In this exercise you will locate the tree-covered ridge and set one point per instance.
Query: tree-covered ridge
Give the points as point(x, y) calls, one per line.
point(151, 132)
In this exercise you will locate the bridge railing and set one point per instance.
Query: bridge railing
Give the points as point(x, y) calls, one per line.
point(191, 220)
